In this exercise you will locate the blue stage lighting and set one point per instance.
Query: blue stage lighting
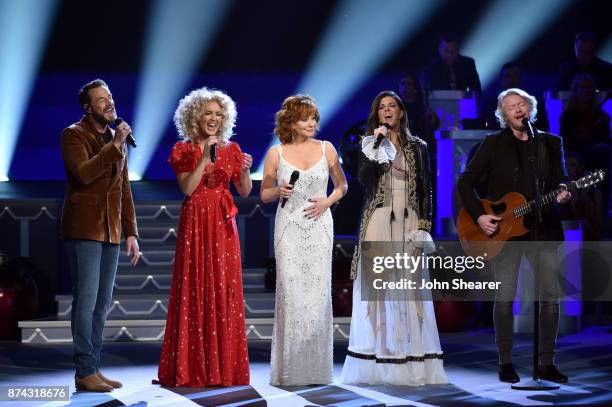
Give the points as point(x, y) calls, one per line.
point(24, 26)
point(605, 51)
point(178, 36)
point(359, 38)
point(508, 27)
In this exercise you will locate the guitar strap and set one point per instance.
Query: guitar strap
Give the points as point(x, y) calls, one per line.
point(541, 147)
point(541, 155)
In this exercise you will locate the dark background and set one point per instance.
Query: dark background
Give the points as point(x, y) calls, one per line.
point(258, 57)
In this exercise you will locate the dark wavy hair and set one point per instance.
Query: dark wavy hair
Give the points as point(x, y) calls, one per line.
point(85, 96)
point(293, 109)
point(373, 116)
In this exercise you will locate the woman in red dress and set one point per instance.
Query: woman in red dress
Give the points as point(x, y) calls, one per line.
point(205, 340)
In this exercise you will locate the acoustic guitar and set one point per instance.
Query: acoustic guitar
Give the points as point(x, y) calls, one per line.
point(511, 208)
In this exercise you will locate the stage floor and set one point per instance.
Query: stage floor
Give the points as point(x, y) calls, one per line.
point(470, 360)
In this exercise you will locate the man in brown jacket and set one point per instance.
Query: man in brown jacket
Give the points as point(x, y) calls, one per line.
point(98, 209)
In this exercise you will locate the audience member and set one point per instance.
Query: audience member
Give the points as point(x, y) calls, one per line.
point(585, 128)
point(450, 70)
point(586, 204)
point(585, 62)
point(584, 123)
point(422, 122)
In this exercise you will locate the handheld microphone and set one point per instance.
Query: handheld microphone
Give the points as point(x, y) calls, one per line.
point(380, 137)
point(529, 127)
point(213, 153)
point(294, 177)
point(130, 138)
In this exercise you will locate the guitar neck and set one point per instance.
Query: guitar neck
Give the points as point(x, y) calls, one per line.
point(530, 206)
point(584, 182)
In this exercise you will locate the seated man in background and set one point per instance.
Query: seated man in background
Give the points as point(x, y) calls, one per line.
point(585, 128)
point(585, 62)
point(422, 122)
point(450, 70)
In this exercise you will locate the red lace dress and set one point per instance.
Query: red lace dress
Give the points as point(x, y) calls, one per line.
point(205, 340)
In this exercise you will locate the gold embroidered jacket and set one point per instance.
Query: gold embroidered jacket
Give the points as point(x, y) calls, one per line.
point(371, 176)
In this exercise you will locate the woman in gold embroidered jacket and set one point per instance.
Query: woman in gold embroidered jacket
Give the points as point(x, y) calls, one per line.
point(394, 338)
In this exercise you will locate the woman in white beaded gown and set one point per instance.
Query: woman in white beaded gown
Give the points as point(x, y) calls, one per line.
point(393, 340)
point(302, 338)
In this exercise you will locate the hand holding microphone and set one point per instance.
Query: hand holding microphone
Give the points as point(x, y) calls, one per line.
point(287, 189)
point(213, 153)
point(123, 133)
point(211, 143)
point(380, 133)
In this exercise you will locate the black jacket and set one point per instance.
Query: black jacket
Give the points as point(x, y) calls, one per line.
point(370, 174)
point(599, 69)
point(437, 75)
point(497, 159)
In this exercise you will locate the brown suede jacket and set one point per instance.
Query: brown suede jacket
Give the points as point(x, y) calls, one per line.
point(98, 204)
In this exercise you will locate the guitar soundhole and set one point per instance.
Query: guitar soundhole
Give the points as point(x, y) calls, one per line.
point(499, 208)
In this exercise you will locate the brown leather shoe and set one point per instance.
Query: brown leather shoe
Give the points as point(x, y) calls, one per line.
point(113, 383)
point(92, 383)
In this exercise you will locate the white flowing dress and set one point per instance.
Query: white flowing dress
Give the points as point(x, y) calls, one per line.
point(394, 342)
point(302, 337)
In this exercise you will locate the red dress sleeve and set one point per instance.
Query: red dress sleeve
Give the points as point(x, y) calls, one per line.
point(182, 158)
point(236, 159)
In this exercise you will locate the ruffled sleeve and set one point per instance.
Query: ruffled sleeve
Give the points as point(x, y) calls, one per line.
point(182, 158)
point(422, 239)
point(383, 154)
point(236, 159)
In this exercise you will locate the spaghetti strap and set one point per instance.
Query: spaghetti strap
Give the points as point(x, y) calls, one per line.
point(280, 151)
point(303, 264)
point(324, 158)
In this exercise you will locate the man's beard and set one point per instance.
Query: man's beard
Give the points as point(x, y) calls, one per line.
point(100, 119)
point(520, 127)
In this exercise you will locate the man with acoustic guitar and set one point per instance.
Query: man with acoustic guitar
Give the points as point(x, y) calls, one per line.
point(509, 159)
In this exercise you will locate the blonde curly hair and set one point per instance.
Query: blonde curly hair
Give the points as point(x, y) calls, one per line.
point(191, 108)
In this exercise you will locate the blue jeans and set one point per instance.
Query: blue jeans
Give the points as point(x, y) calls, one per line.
point(93, 265)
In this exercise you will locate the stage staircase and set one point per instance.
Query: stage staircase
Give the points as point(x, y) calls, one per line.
point(140, 297)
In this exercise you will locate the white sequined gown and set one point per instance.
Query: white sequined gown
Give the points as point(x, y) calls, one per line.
point(302, 338)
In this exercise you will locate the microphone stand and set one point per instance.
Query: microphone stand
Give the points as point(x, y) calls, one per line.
point(536, 170)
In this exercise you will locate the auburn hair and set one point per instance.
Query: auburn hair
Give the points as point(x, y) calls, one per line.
point(294, 108)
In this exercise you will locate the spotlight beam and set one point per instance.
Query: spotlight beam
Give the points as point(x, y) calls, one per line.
point(605, 51)
point(178, 37)
point(506, 29)
point(359, 38)
point(24, 26)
